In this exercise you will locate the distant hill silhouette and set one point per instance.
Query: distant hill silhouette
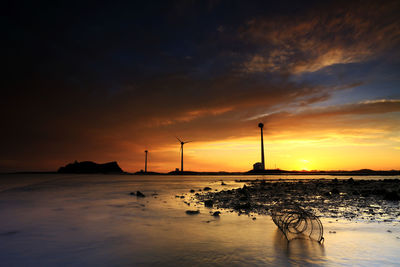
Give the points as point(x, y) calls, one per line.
point(91, 167)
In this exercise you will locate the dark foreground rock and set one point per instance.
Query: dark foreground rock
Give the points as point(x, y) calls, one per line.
point(392, 196)
point(192, 212)
point(338, 198)
point(91, 167)
point(216, 214)
point(139, 194)
point(208, 203)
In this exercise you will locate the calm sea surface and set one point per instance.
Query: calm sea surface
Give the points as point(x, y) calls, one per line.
point(80, 220)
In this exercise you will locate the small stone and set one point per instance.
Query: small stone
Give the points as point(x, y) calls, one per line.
point(391, 196)
point(207, 188)
point(139, 194)
point(254, 218)
point(222, 183)
point(192, 191)
point(209, 203)
point(192, 212)
point(132, 193)
point(216, 214)
point(335, 191)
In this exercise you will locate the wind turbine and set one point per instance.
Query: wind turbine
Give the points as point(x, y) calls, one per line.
point(145, 161)
point(182, 143)
point(261, 125)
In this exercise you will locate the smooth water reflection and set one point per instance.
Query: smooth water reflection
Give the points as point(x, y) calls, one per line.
point(92, 220)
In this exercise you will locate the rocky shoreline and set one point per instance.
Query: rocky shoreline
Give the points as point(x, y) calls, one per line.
point(368, 200)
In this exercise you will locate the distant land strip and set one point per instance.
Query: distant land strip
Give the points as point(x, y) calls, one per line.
point(90, 167)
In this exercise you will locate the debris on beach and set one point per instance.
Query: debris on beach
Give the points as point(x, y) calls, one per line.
point(295, 222)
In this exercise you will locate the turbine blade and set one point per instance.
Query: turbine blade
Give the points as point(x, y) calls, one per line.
point(187, 142)
point(178, 139)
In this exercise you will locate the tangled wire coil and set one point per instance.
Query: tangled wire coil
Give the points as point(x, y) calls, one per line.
point(295, 222)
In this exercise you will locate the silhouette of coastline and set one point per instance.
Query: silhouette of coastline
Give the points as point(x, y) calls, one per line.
point(112, 167)
point(91, 167)
point(362, 172)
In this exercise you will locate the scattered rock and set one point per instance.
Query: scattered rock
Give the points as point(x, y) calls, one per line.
point(132, 193)
point(254, 218)
point(139, 194)
point(192, 191)
point(222, 183)
point(345, 199)
point(208, 203)
point(391, 196)
point(388, 231)
point(192, 212)
point(216, 214)
point(207, 188)
point(335, 191)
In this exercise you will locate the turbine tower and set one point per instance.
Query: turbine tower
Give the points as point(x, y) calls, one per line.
point(262, 145)
point(182, 143)
point(145, 161)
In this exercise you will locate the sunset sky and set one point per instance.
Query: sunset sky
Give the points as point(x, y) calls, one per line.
point(104, 82)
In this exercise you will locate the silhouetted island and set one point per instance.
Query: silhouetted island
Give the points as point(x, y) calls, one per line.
point(91, 167)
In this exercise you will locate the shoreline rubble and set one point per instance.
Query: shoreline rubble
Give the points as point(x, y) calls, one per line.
point(370, 200)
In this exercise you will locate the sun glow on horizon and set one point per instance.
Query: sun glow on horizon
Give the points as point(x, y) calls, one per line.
point(239, 154)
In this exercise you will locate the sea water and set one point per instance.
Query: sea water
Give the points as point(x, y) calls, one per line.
point(80, 220)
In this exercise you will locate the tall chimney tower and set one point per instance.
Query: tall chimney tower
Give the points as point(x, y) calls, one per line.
point(145, 161)
point(262, 145)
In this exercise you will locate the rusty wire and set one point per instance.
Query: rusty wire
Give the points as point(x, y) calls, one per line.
point(295, 222)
